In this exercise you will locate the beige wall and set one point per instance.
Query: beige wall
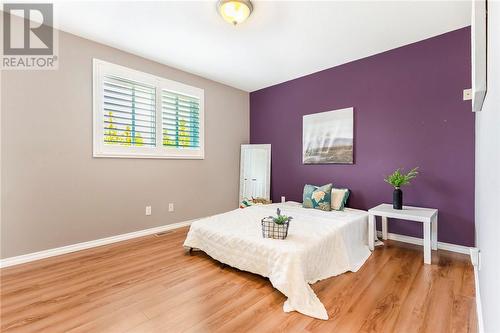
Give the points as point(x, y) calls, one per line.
point(54, 193)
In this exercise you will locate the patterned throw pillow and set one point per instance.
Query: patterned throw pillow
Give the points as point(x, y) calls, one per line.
point(317, 197)
point(246, 203)
point(339, 198)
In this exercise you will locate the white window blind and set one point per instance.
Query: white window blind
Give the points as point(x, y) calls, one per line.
point(129, 112)
point(180, 120)
point(141, 115)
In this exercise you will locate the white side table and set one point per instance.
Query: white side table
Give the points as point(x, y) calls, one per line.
point(427, 216)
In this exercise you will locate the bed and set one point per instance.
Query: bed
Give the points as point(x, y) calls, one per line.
point(319, 245)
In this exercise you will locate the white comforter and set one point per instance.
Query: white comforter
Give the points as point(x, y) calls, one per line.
point(319, 245)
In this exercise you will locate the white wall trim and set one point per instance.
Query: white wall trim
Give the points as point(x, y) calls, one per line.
point(87, 245)
point(420, 241)
point(476, 262)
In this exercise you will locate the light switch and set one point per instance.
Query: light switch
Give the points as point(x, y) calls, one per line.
point(467, 94)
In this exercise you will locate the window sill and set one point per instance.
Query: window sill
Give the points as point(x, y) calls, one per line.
point(150, 156)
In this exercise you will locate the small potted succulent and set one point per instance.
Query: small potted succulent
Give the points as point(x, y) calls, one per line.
point(398, 179)
point(276, 226)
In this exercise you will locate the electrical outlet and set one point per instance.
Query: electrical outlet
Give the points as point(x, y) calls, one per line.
point(467, 94)
point(479, 261)
point(475, 257)
point(171, 207)
point(283, 198)
point(148, 210)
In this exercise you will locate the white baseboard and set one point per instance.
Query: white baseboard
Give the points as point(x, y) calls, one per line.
point(86, 245)
point(420, 241)
point(476, 262)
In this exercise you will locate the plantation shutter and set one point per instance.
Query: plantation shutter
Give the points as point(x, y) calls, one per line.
point(129, 112)
point(180, 120)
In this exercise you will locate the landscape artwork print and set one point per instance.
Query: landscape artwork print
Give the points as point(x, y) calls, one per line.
point(327, 137)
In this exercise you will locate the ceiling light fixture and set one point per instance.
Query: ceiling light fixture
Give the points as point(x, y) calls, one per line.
point(234, 11)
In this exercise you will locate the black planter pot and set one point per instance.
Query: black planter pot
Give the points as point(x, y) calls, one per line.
point(397, 199)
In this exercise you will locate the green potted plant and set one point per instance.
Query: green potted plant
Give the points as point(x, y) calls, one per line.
point(398, 179)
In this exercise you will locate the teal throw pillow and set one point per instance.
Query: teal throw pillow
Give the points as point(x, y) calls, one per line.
point(318, 197)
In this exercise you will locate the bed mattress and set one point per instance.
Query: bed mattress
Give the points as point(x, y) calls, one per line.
point(319, 245)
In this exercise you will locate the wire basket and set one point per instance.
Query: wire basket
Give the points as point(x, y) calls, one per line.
point(273, 230)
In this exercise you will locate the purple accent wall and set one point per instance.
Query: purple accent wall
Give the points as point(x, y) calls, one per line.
point(408, 111)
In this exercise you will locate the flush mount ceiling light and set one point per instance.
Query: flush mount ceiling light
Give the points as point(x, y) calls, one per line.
point(234, 11)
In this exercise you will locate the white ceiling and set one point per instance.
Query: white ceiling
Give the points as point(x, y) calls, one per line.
point(281, 40)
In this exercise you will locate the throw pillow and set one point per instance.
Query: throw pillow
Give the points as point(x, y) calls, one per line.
point(318, 197)
point(339, 198)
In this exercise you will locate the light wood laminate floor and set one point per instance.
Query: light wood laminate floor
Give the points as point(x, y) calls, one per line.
point(148, 284)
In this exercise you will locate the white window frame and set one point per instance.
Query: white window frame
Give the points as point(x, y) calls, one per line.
point(101, 68)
